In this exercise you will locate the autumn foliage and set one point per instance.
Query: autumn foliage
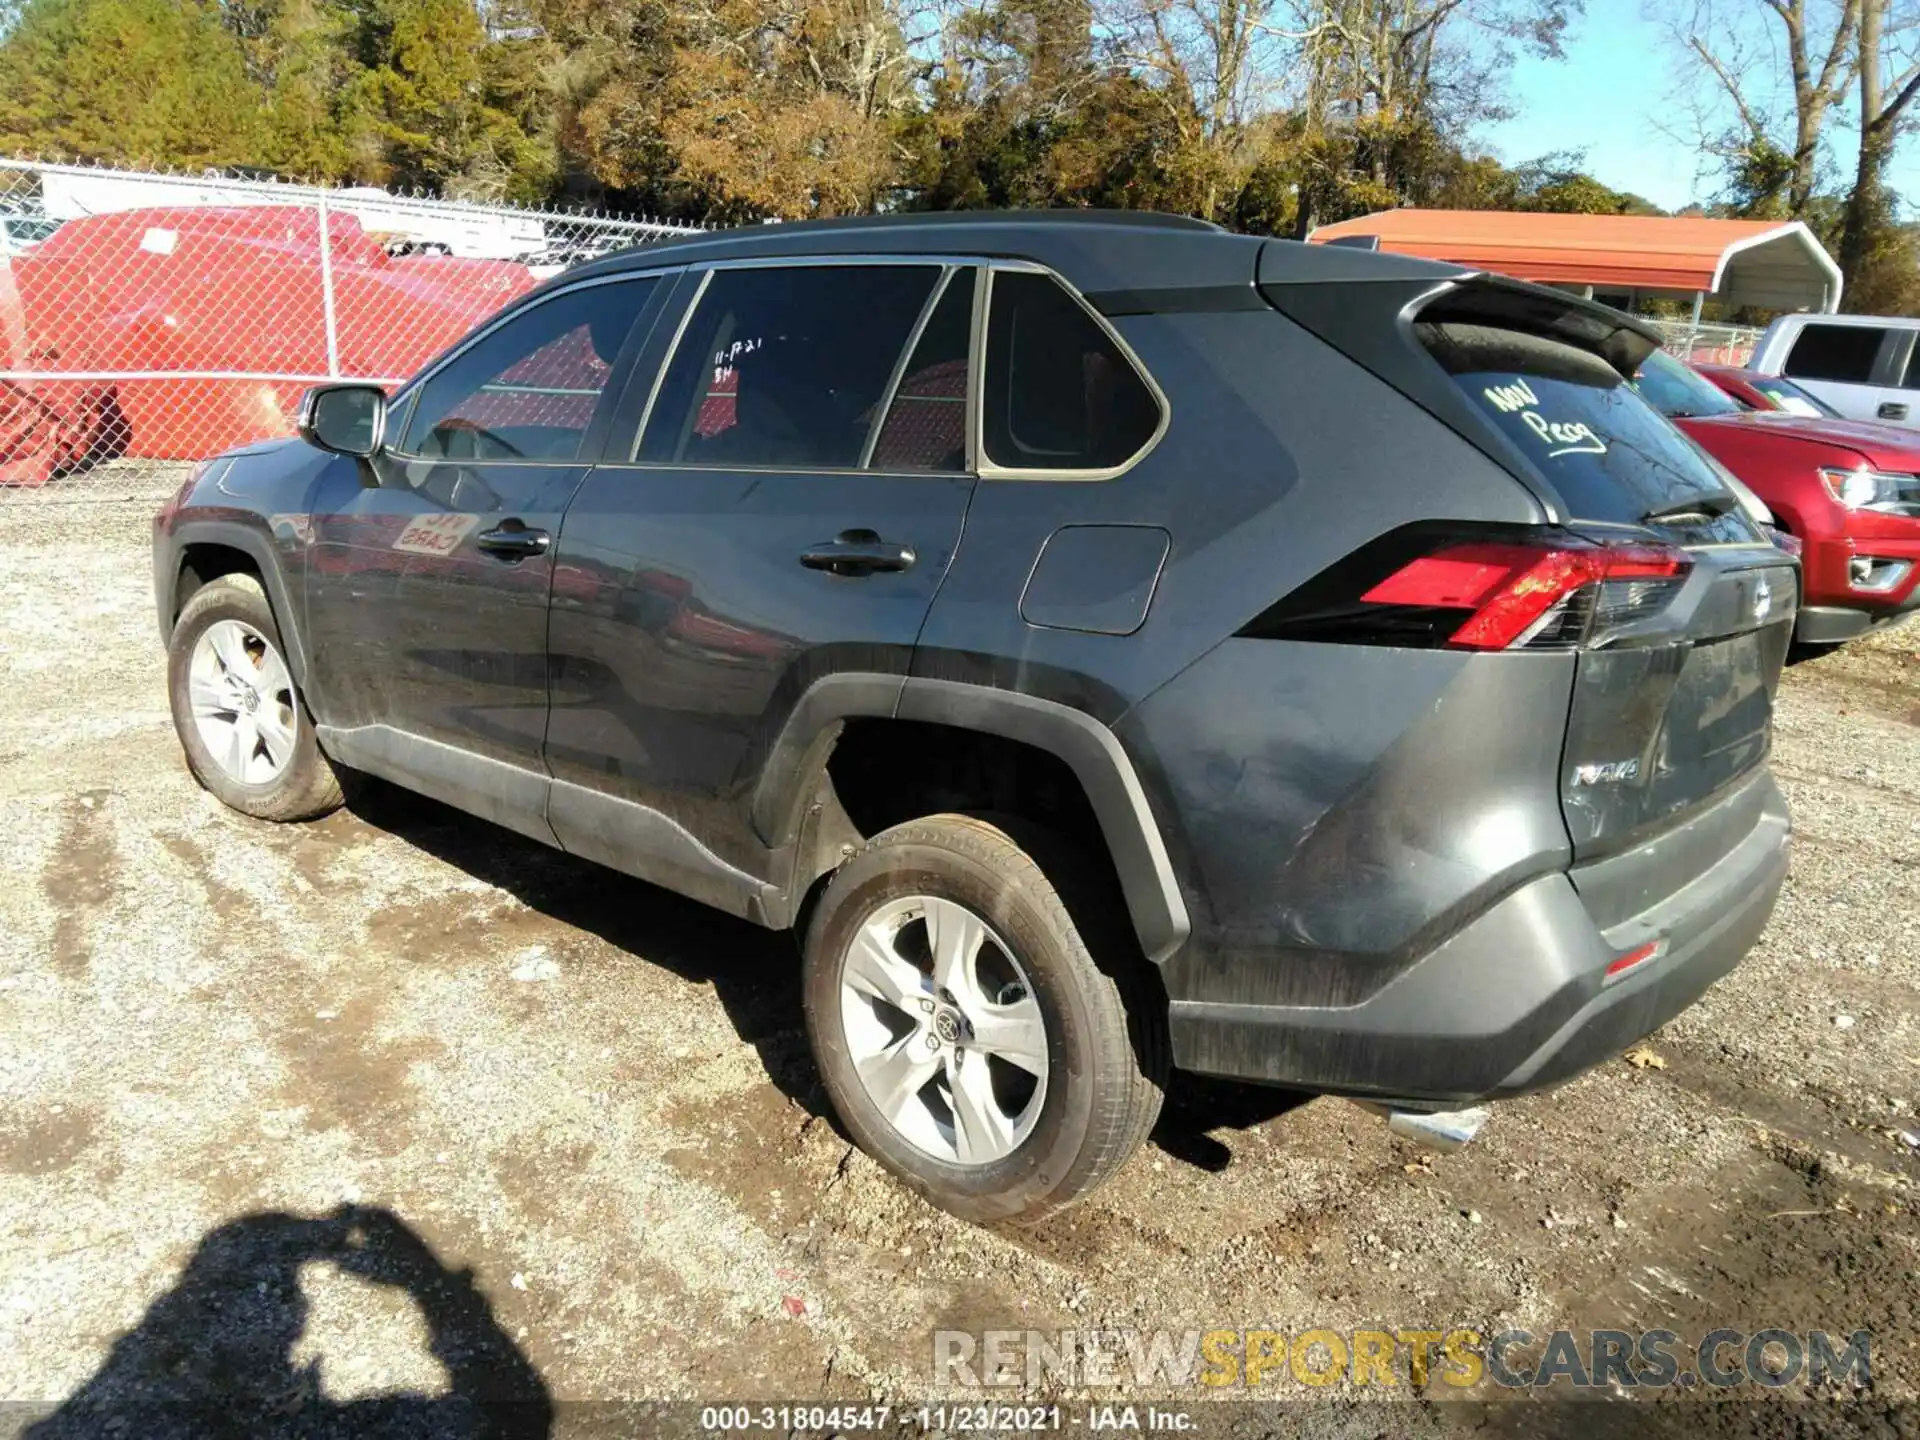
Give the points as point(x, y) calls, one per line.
point(1268, 114)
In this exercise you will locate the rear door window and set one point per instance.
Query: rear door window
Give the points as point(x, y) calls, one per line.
point(926, 425)
point(1608, 454)
point(1059, 393)
point(1910, 379)
point(786, 367)
point(1835, 352)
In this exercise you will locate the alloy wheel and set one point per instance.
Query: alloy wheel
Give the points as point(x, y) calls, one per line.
point(241, 695)
point(943, 1030)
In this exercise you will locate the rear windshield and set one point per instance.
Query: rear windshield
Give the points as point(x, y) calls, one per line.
point(1608, 454)
point(1678, 392)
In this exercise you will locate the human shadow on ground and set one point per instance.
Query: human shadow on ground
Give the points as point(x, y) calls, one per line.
point(213, 1357)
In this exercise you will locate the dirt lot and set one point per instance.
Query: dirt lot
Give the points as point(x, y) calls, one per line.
point(595, 1097)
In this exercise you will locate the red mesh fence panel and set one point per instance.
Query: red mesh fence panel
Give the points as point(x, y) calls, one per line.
point(156, 317)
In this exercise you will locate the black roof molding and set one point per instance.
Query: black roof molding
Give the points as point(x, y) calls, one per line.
point(1292, 262)
point(1094, 249)
point(909, 219)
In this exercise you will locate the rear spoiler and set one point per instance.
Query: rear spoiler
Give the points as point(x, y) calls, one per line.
point(1438, 290)
point(1615, 336)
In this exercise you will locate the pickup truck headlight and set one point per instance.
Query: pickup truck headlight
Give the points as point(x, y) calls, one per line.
point(1865, 489)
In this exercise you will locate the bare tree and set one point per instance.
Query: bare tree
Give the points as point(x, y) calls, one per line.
point(1221, 59)
point(1442, 59)
point(1401, 77)
point(1889, 80)
point(1738, 48)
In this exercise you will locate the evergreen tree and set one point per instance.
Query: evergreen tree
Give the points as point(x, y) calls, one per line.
point(134, 82)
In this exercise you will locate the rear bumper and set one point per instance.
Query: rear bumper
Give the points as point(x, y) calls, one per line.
point(1516, 1000)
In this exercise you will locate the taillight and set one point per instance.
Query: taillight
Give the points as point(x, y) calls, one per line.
point(1550, 590)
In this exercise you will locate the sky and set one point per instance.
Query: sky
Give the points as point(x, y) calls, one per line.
point(1608, 97)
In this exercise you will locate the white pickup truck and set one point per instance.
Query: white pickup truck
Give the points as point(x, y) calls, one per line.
point(1865, 366)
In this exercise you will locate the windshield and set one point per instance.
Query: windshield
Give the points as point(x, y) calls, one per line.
point(30, 229)
point(1678, 392)
point(1789, 397)
point(1599, 443)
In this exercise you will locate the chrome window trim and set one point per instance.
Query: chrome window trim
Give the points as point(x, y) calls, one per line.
point(413, 388)
point(905, 358)
point(979, 465)
point(666, 364)
point(782, 470)
point(976, 353)
point(986, 468)
point(847, 257)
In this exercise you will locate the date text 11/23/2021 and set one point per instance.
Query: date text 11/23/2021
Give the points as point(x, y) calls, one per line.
point(949, 1419)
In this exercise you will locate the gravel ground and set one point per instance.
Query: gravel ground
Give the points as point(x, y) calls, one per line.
point(397, 1106)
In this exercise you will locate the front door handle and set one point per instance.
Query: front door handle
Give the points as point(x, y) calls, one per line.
point(512, 541)
point(1891, 410)
point(858, 552)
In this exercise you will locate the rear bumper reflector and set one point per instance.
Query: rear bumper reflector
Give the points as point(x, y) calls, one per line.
point(1633, 959)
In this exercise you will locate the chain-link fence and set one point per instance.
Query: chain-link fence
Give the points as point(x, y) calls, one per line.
point(1709, 344)
point(153, 317)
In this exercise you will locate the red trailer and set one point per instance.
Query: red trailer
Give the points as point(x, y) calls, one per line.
point(176, 333)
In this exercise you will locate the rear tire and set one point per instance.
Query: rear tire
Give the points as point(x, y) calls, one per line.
point(243, 725)
point(1010, 1078)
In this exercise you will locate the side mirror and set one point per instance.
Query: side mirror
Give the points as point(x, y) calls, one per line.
point(346, 419)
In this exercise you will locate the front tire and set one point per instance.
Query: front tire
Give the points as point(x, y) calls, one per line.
point(245, 729)
point(970, 1039)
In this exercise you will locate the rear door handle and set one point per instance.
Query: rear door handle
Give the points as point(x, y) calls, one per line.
point(858, 552)
point(1889, 410)
point(512, 541)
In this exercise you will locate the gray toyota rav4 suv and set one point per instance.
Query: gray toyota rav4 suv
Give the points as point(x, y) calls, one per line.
point(1111, 643)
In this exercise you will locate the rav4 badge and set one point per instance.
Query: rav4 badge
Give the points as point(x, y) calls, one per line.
point(1607, 772)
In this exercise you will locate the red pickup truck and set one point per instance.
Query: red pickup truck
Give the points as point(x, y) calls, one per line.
point(1848, 489)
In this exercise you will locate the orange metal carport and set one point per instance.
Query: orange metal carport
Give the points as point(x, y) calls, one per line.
point(1741, 262)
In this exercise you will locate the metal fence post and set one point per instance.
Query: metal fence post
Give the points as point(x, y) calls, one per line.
point(326, 289)
point(90, 380)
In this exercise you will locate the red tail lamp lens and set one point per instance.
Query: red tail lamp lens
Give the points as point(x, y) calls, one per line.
point(1510, 588)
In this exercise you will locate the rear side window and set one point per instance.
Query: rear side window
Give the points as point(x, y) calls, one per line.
point(1607, 453)
point(786, 367)
point(1058, 392)
point(1835, 352)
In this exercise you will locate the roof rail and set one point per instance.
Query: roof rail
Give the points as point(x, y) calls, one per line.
point(1150, 219)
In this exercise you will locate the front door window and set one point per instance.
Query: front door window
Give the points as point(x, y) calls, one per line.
point(528, 390)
